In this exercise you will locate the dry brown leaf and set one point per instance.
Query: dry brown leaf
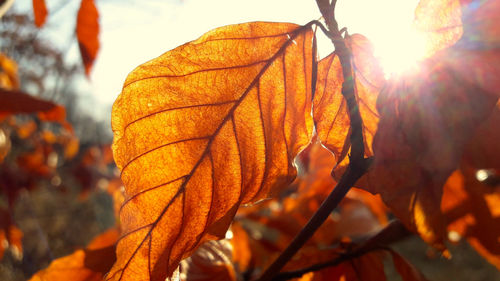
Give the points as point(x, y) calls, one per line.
point(202, 129)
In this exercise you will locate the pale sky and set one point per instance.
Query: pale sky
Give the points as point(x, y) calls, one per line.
point(134, 31)
point(134, 34)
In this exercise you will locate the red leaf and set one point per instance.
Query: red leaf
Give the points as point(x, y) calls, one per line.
point(40, 12)
point(87, 32)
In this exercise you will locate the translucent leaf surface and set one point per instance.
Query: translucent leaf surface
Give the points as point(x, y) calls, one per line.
point(208, 126)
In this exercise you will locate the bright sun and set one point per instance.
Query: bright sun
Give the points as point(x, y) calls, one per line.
point(388, 25)
point(401, 51)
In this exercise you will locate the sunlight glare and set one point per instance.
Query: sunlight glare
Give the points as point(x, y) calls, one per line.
point(401, 51)
point(389, 26)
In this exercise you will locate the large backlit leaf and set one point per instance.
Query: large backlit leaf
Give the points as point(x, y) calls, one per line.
point(330, 108)
point(202, 129)
point(87, 33)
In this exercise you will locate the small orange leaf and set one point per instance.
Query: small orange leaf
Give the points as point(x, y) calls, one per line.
point(16, 102)
point(202, 129)
point(57, 113)
point(330, 109)
point(8, 73)
point(89, 264)
point(71, 147)
point(40, 12)
point(87, 33)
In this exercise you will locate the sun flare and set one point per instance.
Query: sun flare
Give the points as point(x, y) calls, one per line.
point(389, 26)
point(400, 52)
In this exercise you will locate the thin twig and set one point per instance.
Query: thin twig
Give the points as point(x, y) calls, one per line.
point(358, 165)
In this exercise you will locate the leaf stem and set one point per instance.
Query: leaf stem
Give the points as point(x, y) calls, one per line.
point(393, 232)
point(358, 165)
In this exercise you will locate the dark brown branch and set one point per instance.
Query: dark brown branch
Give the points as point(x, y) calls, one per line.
point(358, 165)
point(393, 232)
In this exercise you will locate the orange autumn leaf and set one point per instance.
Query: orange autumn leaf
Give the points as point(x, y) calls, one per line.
point(36, 161)
point(242, 251)
point(330, 109)
point(89, 264)
point(440, 22)
point(8, 73)
point(40, 12)
point(208, 126)
point(10, 236)
point(427, 119)
point(407, 271)
point(26, 129)
point(87, 33)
